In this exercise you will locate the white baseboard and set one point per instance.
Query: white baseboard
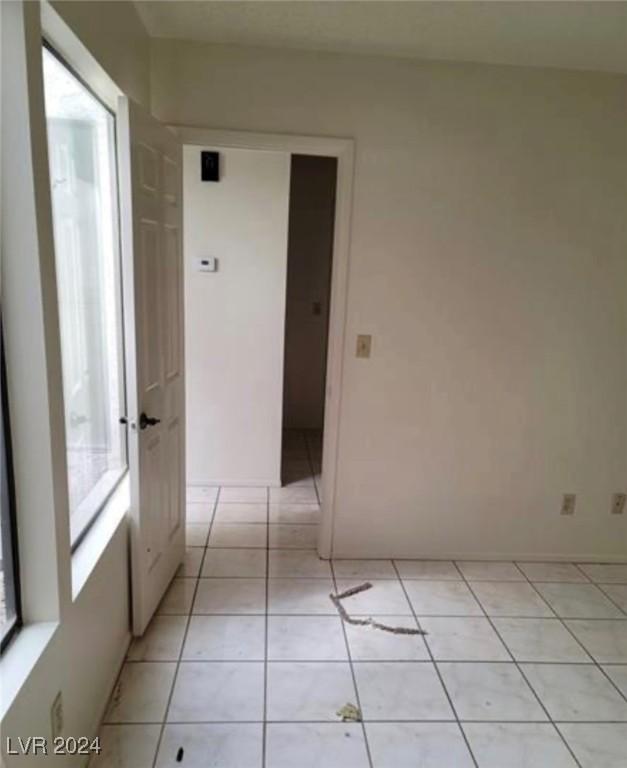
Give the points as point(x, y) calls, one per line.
point(272, 482)
point(530, 557)
point(115, 673)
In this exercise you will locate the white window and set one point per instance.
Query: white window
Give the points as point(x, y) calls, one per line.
point(10, 615)
point(81, 148)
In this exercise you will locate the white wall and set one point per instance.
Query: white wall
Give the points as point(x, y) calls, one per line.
point(85, 599)
point(310, 252)
point(82, 661)
point(488, 261)
point(234, 318)
point(115, 36)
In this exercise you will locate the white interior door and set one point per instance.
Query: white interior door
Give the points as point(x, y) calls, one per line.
point(150, 177)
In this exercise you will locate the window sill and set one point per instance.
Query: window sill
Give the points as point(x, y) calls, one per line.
point(20, 658)
point(90, 550)
point(85, 515)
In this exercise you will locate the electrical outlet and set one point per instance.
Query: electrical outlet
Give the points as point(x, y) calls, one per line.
point(618, 503)
point(568, 504)
point(364, 344)
point(56, 716)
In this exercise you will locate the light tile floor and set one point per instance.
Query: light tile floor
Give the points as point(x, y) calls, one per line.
point(524, 665)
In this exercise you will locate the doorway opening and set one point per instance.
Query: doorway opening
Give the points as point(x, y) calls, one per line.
point(313, 182)
point(246, 437)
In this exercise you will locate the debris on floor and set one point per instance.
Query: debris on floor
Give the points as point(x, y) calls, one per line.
point(179, 755)
point(369, 622)
point(349, 713)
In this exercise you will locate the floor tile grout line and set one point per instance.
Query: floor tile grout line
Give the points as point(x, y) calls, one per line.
point(185, 633)
point(586, 578)
point(581, 570)
point(592, 584)
point(596, 663)
point(601, 584)
point(353, 675)
point(215, 508)
point(385, 577)
point(520, 670)
point(380, 613)
point(599, 665)
point(256, 522)
point(610, 598)
point(341, 724)
point(364, 662)
point(437, 671)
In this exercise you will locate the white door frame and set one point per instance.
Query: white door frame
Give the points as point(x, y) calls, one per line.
point(344, 151)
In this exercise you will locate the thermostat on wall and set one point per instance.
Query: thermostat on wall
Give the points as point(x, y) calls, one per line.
point(206, 264)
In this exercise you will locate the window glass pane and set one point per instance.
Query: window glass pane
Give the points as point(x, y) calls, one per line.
point(9, 599)
point(81, 148)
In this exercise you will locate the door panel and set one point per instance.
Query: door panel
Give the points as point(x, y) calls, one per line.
point(149, 294)
point(172, 303)
point(150, 172)
point(148, 159)
point(151, 466)
point(174, 498)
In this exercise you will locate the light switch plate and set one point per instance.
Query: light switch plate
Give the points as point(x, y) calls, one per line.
point(364, 344)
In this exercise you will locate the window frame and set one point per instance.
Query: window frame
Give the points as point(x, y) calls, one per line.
point(9, 484)
point(100, 494)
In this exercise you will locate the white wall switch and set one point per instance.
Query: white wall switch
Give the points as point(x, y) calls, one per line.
point(207, 264)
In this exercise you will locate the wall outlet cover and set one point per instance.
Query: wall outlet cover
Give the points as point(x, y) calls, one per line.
point(618, 503)
point(568, 504)
point(364, 345)
point(206, 264)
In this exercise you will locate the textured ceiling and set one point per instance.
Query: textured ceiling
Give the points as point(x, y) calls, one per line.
point(572, 35)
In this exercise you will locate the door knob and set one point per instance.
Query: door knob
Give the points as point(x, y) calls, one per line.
point(147, 421)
